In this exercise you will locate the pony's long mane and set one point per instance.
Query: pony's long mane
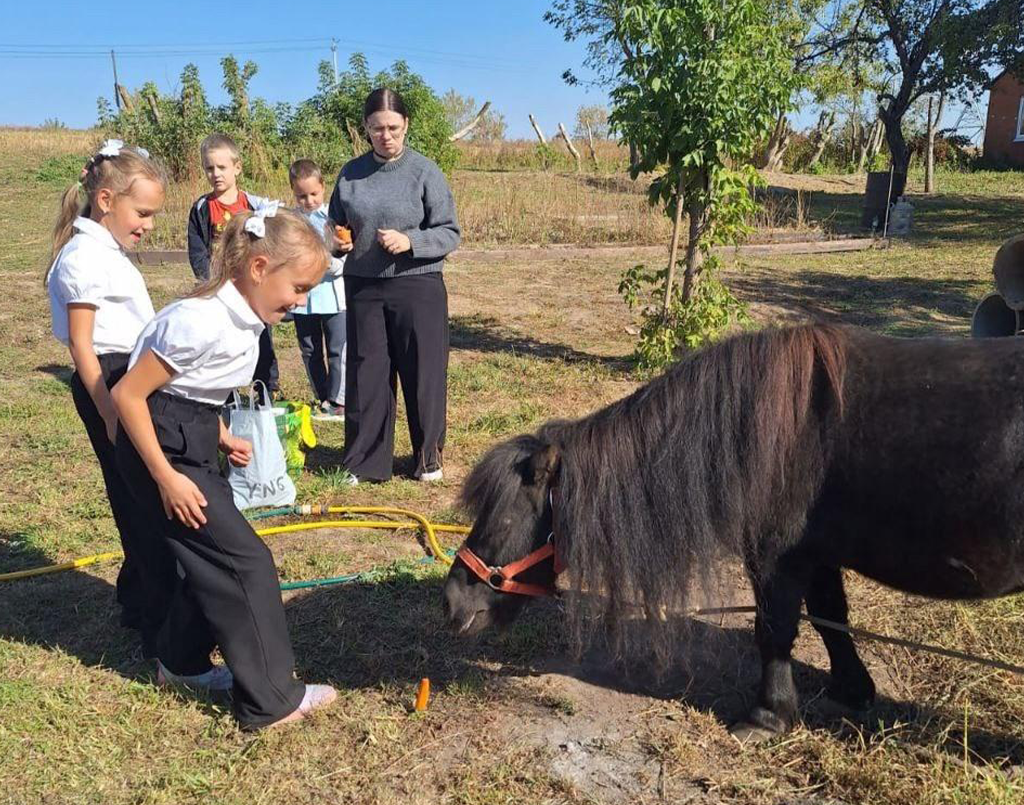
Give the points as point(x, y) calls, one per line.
point(728, 445)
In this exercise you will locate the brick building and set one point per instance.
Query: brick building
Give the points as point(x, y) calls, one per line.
point(1004, 129)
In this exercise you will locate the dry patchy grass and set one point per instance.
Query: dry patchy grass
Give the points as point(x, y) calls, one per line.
point(513, 720)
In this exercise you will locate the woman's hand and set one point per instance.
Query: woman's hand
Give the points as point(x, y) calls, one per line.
point(393, 241)
point(182, 499)
point(237, 449)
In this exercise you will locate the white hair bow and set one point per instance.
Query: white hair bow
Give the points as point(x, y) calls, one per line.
point(112, 148)
point(256, 224)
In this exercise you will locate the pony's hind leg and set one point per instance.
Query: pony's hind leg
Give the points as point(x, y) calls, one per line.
point(826, 598)
point(779, 596)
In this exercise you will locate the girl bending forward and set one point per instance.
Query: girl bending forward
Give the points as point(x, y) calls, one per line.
point(186, 363)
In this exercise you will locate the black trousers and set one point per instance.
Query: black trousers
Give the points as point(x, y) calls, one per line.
point(229, 595)
point(266, 364)
point(397, 329)
point(147, 576)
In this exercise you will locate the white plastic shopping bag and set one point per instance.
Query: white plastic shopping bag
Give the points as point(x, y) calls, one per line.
point(264, 481)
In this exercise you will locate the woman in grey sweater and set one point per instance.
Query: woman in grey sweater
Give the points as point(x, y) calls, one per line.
point(401, 216)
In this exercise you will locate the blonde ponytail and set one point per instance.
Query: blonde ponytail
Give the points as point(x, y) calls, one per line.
point(287, 237)
point(70, 208)
point(101, 172)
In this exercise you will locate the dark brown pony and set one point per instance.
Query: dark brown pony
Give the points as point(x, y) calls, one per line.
point(802, 451)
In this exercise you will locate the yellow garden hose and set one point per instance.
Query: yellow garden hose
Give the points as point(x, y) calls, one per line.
point(416, 520)
point(74, 563)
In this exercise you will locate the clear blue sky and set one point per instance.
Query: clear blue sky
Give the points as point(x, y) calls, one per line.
point(55, 63)
point(497, 50)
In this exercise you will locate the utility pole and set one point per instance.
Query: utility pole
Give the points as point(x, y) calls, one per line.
point(334, 57)
point(117, 95)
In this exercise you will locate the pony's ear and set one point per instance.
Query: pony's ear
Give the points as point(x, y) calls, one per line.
point(543, 465)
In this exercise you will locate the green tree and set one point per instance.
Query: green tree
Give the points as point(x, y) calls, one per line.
point(269, 135)
point(342, 103)
point(169, 126)
point(705, 80)
point(932, 47)
point(592, 121)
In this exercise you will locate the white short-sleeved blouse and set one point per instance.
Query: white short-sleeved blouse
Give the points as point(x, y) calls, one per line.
point(211, 343)
point(92, 270)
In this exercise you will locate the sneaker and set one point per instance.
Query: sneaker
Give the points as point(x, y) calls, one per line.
point(431, 475)
point(219, 677)
point(349, 479)
point(315, 696)
point(330, 412)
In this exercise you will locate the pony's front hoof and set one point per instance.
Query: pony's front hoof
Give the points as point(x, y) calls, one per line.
point(761, 725)
point(747, 733)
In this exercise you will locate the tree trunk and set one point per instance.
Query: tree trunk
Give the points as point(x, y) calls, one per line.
point(868, 143)
point(825, 123)
point(933, 127)
point(593, 151)
point(634, 157)
point(875, 142)
point(673, 250)
point(775, 149)
point(355, 138)
point(696, 211)
point(892, 118)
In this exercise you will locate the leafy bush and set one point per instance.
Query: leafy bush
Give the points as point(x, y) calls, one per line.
point(664, 335)
point(342, 103)
point(271, 136)
point(61, 171)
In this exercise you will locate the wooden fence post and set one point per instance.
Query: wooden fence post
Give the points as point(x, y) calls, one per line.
point(472, 123)
point(536, 128)
point(572, 148)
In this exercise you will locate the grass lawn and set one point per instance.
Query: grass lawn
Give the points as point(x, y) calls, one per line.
point(513, 719)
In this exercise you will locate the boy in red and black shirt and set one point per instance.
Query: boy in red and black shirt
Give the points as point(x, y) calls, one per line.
point(211, 213)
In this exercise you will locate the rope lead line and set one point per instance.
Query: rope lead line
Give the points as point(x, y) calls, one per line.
point(438, 553)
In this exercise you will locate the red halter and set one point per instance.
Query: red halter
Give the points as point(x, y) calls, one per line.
point(502, 578)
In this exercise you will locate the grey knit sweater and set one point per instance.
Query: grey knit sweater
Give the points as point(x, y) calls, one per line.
point(409, 195)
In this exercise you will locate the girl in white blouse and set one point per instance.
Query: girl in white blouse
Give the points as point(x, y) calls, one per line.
point(187, 361)
point(99, 304)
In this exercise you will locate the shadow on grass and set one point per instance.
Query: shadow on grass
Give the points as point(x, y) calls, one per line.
point(486, 334)
point(390, 630)
point(71, 611)
point(59, 371)
point(894, 305)
point(325, 460)
point(366, 635)
point(939, 220)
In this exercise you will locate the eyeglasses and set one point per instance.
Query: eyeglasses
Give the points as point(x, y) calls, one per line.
point(393, 130)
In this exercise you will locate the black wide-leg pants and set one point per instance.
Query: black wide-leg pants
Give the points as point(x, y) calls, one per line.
point(397, 329)
point(147, 576)
point(229, 595)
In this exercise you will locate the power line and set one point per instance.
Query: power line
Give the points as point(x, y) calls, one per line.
point(458, 62)
point(77, 51)
point(192, 44)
